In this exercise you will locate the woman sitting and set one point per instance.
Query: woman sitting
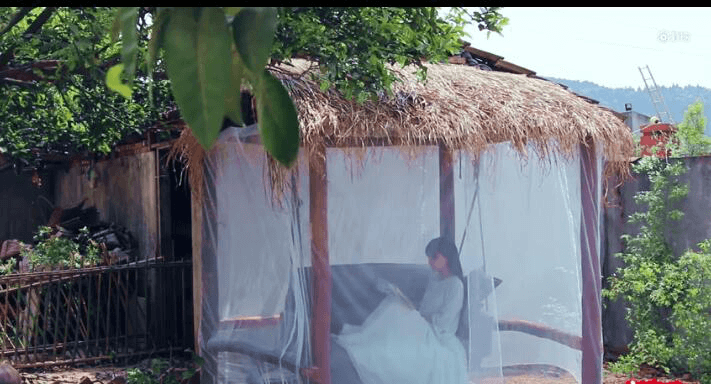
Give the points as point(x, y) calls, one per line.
point(399, 344)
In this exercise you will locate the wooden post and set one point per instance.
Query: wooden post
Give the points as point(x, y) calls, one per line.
point(205, 281)
point(590, 262)
point(196, 212)
point(321, 268)
point(446, 193)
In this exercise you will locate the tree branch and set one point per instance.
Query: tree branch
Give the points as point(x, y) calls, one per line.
point(16, 19)
point(32, 29)
point(40, 20)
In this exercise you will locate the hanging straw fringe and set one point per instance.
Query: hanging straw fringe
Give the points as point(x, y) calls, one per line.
point(461, 107)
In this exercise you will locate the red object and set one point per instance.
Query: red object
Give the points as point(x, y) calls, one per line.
point(656, 135)
point(651, 381)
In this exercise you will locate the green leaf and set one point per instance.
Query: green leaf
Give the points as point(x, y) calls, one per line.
point(198, 360)
point(233, 99)
point(129, 40)
point(113, 81)
point(156, 40)
point(232, 11)
point(116, 26)
point(197, 57)
point(253, 30)
point(278, 120)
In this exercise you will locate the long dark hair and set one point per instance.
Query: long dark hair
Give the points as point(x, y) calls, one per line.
point(448, 249)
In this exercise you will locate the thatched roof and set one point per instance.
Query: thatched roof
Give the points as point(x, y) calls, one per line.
point(462, 108)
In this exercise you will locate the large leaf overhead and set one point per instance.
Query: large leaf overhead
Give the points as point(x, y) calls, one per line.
point(197, 57)
point(278, 120)
point(129, 39)
point(233, 99)
point(253, 30)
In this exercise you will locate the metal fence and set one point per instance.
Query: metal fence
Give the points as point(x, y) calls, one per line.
point(84, 315)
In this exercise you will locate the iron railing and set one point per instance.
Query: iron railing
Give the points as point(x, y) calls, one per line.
point(83, 315)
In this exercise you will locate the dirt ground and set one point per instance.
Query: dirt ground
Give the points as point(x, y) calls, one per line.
point(117, 375)
point(106, 373)
point(62, 375)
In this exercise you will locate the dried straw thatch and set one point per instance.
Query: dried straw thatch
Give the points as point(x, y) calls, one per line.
point(460, 107)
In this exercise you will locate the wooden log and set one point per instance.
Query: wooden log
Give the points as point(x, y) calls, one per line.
point(10, 248)
point(543, 331)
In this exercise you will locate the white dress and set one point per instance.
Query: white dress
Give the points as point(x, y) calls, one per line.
point(399, 345)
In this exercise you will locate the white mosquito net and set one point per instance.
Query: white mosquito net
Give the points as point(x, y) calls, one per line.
point(513, 310)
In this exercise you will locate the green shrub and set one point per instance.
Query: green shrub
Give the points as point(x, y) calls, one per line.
point(162, 372)
point(668, 296)
point(137, 376)
point(7, 267)
point(61, 252)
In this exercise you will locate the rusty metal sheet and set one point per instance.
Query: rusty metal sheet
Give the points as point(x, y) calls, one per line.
point(511, 67)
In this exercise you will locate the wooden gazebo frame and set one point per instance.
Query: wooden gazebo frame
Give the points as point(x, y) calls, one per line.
point(462, 109)
point(591, 341)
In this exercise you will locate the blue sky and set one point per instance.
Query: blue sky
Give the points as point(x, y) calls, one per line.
point(607, 45)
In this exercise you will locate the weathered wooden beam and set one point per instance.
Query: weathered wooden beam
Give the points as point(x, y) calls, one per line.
point(196, 215)
point(321, 309)
point(446, 193)
point(590, 263)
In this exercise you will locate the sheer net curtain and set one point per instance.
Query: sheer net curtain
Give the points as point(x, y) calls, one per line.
point(255, 253)
point(525, 230)
point(520, 254)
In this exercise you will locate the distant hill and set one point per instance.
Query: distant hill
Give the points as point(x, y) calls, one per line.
point(677, 98)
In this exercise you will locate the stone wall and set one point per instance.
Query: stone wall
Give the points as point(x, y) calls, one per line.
point(687, 233)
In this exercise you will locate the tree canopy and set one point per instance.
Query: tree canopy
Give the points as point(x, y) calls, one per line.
point(53, 63)
point(690, 137)
point(56, 62)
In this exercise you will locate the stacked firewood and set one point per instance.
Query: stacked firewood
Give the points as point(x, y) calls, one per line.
point(81, 225)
